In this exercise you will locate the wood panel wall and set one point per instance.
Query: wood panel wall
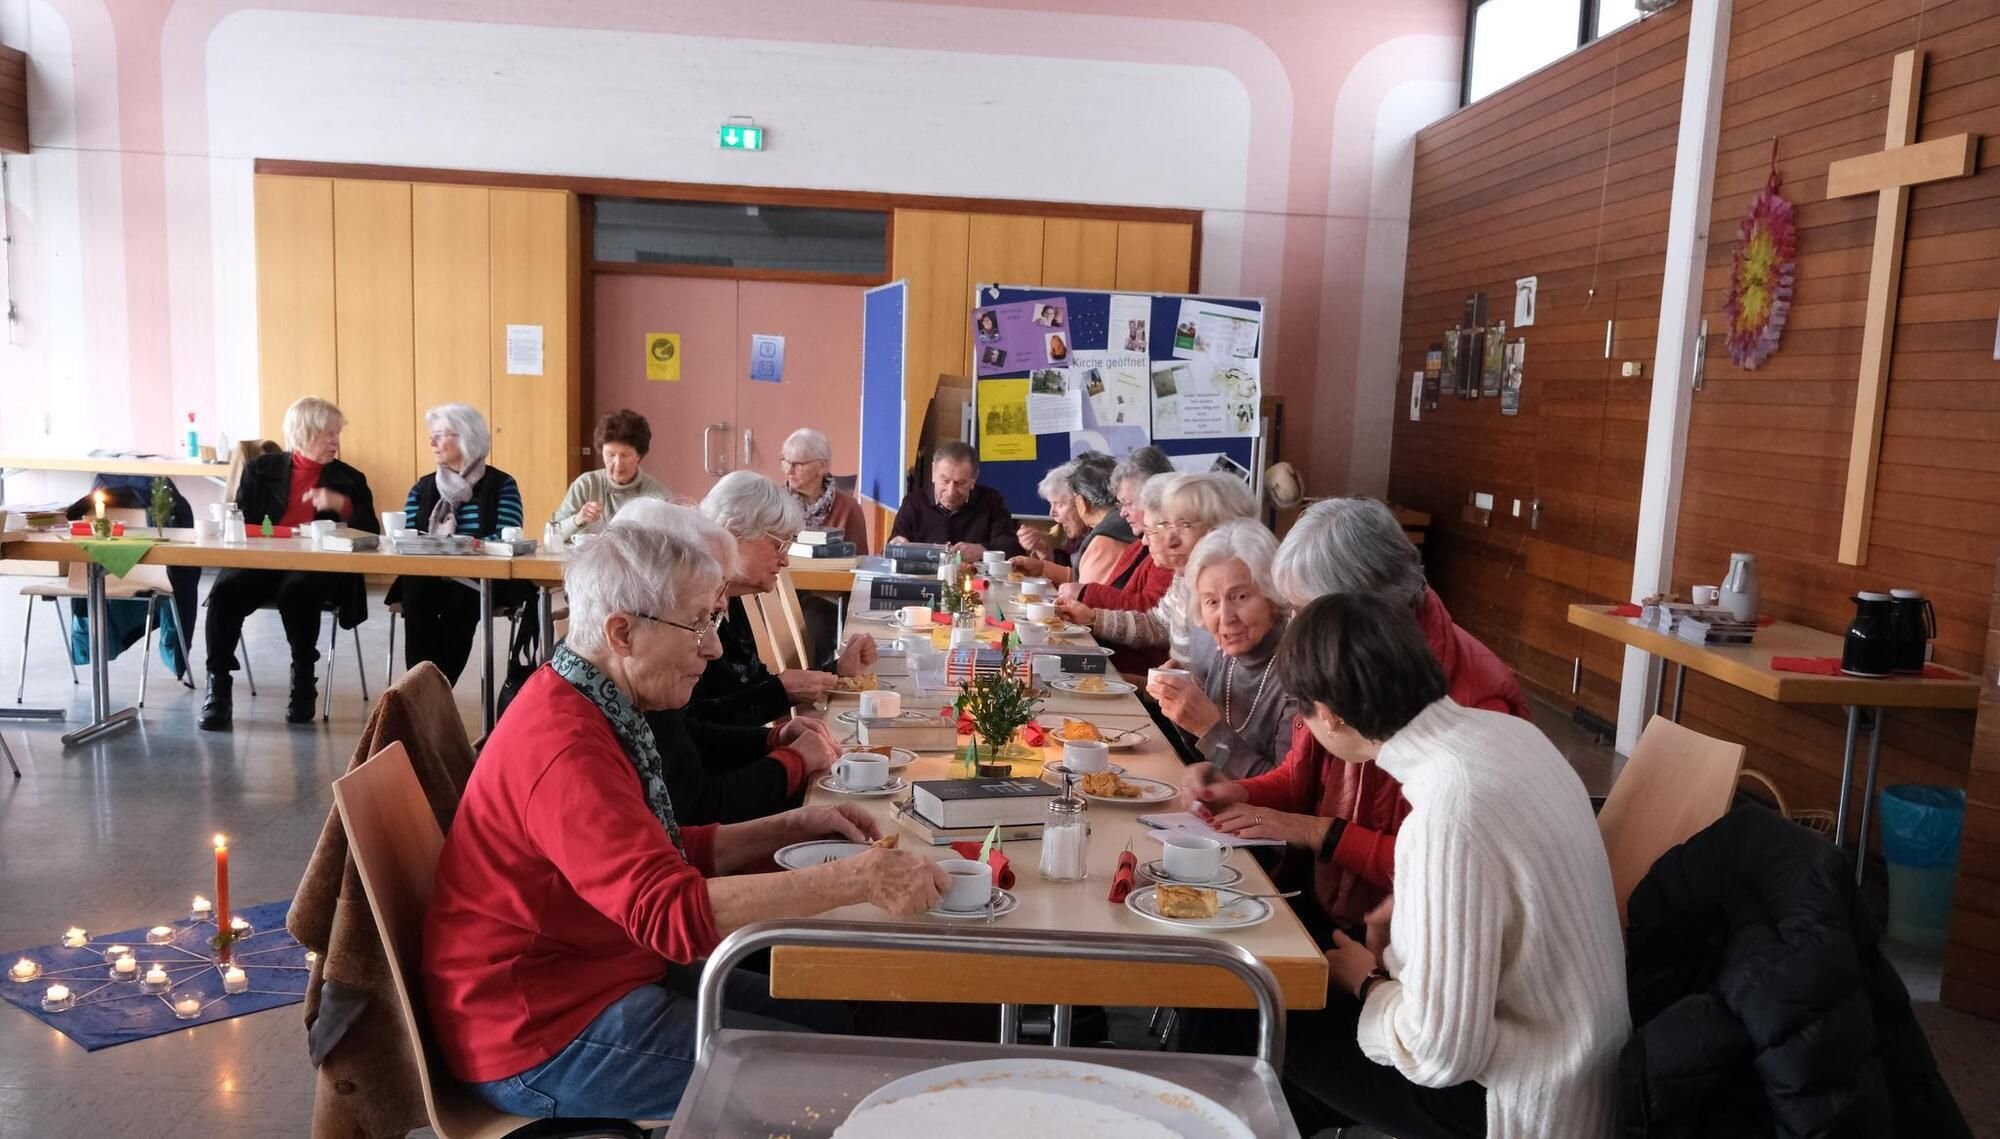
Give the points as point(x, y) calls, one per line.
point(295, 353)
point(373, 336)
point(1566, 177)
point(1972, 951)
point(13, 100)
point(1767, 452)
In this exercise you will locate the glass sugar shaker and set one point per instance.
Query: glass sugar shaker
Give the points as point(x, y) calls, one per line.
point(1065, 837)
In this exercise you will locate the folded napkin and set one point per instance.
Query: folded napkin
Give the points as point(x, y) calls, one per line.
point(116, 555)
point(1007, 626)
point(1121, 882)
point(1626, 610)
point(1003, 873)
point(1830, 666)
point(1035, 735)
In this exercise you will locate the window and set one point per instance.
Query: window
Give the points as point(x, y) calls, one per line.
point(1508, 39)
point(795, 239)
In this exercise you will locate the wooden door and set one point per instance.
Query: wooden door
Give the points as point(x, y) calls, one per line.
point(533, 271)
point(294, 295)
point(1155, 257)
point(821, 325)
point(702, 403)
point(449, 227)
point(373, 335)
point(1080, 254)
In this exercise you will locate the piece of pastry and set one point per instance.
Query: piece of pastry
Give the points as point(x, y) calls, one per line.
point(1090, 684)
point(1186, 901)
point(886, 842)
point(863, 683)
point(1108, 785)
point(1079, 730)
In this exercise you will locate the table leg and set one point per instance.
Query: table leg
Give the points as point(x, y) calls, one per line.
point(1010, 1024)
point(1868, 792)
point(102, 719)
point(1064, 1022)
point(545, 615)
point(1659, 684)
point(1680, 689)
point(486, 653)
point(1846, 777)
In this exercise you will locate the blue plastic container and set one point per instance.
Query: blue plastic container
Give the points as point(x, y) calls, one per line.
point(1921, 826)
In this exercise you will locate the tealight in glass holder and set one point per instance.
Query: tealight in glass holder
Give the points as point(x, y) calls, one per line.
point(235, 980)
point(75, 937)
point(201, 909)
point(24, 971)
point(124, 969)
point(187, 1004)
point(240, 929)
point(160, 935)
point(113, 952)
point(58, 998)
point(155, 979)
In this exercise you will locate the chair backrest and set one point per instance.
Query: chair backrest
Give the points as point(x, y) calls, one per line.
point(792, 637)
point(395, 841)
point(760, 630)
point(245, 451)
point(1676, 784)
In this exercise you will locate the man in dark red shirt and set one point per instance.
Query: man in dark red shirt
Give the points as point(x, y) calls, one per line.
point(957, 511)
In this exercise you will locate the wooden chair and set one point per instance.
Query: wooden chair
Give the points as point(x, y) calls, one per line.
point(793, 635)
point(146, 583)
point(1676, 784)
point(395, 841)
point(760, 630)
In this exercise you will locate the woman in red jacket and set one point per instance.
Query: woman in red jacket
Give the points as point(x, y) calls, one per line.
point(567, 888)
point(1347, 814)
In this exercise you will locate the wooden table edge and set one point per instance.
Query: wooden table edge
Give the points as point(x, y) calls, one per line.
point(808, 972)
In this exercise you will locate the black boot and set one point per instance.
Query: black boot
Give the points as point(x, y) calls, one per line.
point(218, 705)
point(305, 695)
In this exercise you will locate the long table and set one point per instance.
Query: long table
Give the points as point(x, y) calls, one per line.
point(1057, 907)
point(1748, 667)
point(11, 465)
point(181, 549)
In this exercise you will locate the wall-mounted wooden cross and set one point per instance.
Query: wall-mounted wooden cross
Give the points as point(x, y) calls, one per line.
point(1890, 172)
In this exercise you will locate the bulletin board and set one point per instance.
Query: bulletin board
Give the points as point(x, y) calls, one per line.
point(1217, 362)
point(884, 334)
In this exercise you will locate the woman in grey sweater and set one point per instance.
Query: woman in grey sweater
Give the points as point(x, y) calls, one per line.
point(623, 438)
point(1233, 705)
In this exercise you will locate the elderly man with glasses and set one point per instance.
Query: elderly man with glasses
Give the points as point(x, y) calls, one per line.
point(763, 517)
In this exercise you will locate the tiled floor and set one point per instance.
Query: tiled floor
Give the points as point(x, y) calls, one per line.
point(114, 835)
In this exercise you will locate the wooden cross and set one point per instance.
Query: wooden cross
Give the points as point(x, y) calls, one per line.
point(1889, 172)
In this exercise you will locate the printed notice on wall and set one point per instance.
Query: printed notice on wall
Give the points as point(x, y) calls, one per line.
point(1003, 420)
point(524, 349)
point(767, 358)
point(1130, 316)
point(1217, 332)
point(1205, 399)
point(663, 356)
point(1055, 401)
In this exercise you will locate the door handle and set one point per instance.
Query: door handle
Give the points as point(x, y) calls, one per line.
point(708, 450)
point(746, 447)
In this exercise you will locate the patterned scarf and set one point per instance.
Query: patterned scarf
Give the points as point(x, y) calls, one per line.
point(818, 508)
point(633, 733)
point(454, 491)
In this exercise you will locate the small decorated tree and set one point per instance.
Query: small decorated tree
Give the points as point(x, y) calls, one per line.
point(160, 508)
point(998, 704)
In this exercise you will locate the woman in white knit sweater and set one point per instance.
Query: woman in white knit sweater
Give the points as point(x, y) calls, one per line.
point(1497, 1005)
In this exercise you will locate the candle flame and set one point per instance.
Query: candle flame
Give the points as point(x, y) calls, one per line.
point(222, 842)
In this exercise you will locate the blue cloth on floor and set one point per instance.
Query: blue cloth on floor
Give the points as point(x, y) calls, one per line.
point(118, 1012)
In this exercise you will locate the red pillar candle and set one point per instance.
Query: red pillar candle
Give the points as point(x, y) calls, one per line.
point(222, 886)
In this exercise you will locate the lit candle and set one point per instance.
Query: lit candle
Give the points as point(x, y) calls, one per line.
point(25, 970)
point(222, 887)
point(199, 909)
point(125, 968)
point(235, 980)
point(156, 978)
point(159, 935)
point(74, 937)
point(99, 496)
point(239, 927)
point(57, 993)
point(311, 957)
point(187, 1008)
point(112, 954)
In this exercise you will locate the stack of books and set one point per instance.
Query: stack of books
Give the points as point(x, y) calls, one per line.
point(982, 803)
point(822, 543)
point(916, 557)
point(430, 545)
point(498, 548)
point(1697, 624)
point(912, 730)
point(347, 540)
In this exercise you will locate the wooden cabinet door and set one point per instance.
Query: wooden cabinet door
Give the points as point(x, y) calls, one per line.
point(931, 250)
point(294, 295)
point(1080, 254)
point(450, 235)
point(533, 275)
point(1155, 257)
point(373, 335)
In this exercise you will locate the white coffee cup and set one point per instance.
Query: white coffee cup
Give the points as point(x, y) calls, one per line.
point(510, 533)
point(1153, 675)
point(1086, 757)
point(971, 884)
point(915, 616)
point(1037, 587)
point(961, 638)
point(862, 771)
point(996, 559)
point(1707, 594)
point(947, 572)
point(1191, 858)
point(392, 521)
point(881, 704)
point(207, 530)
point(1038, 611)
point(1030, 633)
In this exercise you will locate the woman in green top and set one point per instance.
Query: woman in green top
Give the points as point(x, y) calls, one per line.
point(623, 438)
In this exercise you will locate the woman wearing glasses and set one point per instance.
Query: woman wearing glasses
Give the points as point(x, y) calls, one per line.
point(572, 902)
point(764, 518)
point(807, 463)
point(463, 496)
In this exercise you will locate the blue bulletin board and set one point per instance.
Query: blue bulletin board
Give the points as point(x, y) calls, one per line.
point(883, 336)
point(1088, 319)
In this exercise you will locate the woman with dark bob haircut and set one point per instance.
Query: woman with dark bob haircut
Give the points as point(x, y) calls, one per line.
point(1490, 997)
point(623, 437)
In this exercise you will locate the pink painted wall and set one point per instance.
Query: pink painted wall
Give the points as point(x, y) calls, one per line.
point(1287, 122)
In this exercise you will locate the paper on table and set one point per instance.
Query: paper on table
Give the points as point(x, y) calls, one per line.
point(524, 349)
point(1187, 822)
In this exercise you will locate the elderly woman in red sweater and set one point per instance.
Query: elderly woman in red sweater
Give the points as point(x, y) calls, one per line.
point(1347, 814)
point(567, 890)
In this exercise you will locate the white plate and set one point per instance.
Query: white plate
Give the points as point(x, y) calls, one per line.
point(1065, 629)
point(1004, 903)
point(1188, 1113)
point(1157, 871)
point(875, 616)
point(895, 784)
point(915, 630)
point(1117, 739)
point(852, 717)
point(1237, 911)
point(1151, 791)
point(1111, 687)
point(837, 694)
point(1058, 768)
point(818, 852)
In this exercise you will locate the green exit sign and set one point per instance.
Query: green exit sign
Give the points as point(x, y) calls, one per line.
point(736, 136)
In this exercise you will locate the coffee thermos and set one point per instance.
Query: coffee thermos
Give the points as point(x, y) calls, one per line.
point(1870, 648)
point(1739, 587)
point(1912, 627)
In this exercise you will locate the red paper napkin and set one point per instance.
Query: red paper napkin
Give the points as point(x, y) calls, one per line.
point(83, 529)
point(1003, 872)
point(1034, 735)
point(979, 584)
point(1830, 666)
point(1626, 610)
point(1006, 625)
point(1121, 882)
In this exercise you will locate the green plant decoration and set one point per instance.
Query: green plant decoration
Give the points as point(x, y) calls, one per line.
point(998, 704)
point(160, 508)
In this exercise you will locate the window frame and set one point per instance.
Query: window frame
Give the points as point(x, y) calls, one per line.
point(1586, 28)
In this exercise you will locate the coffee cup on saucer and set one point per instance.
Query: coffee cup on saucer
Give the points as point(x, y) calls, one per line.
point(971, 884)
point(862, 771)
point(1191, 857)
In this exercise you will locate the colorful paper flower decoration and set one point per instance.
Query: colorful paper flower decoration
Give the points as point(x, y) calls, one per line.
point(1760, 277)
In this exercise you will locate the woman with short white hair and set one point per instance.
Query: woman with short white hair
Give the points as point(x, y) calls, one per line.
point(571, 900)
point(1084, 505)
point(806, 461)
point(763, 517)
point(1349, 545)
point(1233, 704)
point(466, 497)
point(1190, 505)
point(305, 483)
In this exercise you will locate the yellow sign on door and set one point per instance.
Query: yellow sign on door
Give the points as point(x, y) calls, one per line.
point(663, 356)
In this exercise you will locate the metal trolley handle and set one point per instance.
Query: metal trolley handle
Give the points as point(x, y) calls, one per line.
point(1003, 942)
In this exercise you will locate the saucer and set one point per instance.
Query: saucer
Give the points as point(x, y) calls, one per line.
point(1157, 871)
point(1001, 903)
point(895, 784)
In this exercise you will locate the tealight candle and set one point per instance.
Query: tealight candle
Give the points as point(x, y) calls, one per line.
point(239, 927)
point(187, 1008)
point(125, 969)
point(235, 980)
point(155, 979)
point(159, 935)
point(58, 992)
point(311, 957)
point(114, 952)
point(24, 970)
point(200, 909)
point(57, 998)
point(74, 937)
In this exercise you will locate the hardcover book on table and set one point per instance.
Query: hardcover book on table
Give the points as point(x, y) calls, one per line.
point(982, 802)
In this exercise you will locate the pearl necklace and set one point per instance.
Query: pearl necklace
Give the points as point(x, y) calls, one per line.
point(1228, 686)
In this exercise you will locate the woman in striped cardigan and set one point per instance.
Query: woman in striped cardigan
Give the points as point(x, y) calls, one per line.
point(464, 496)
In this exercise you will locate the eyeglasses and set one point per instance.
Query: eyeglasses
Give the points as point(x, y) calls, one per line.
point(701, 629)
point(437, 436)
point(1174, 527)
point(797, 464)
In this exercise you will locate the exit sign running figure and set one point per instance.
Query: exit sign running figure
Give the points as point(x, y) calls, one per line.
point(736, 136)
